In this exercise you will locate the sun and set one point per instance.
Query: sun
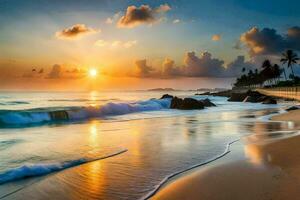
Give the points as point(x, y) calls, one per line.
point(93, 72)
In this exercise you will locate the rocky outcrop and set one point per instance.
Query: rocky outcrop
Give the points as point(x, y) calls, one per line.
point(226, 93)
point(292, 108)
point(269, 100)
point(205, 93)
point(237, 97)
point(207, 103)
point(189, 103)
point(186, 104)
point(252, 97)
point(59, 115)
point(165, 96)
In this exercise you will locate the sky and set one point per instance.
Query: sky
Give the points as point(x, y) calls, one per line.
point(183, 44)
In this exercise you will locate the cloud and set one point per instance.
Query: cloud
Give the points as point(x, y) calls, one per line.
point(294, 37)
point(268, 42)
point(194, 66)
point(75, 32)
point(113, 19)
point(109, 20)
point(55, 72)
point(116, 43)
point(176, 21)
point(100, 43)
point(143, 70)
point(169, 69)
point(129, 44)
point(163, 8)
point(235, 67)
point(216, 37)
point(144, 14)
point(204, 65)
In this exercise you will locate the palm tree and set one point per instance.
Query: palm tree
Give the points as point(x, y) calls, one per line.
point(266, 64)
point(290, 58)
point(266, 73)
point(244, 69)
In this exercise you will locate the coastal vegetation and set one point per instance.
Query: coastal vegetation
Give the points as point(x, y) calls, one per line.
point(270, 75)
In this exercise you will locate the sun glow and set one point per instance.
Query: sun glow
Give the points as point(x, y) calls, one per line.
point(93, 72)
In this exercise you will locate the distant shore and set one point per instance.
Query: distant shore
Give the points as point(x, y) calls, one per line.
point(259, 167)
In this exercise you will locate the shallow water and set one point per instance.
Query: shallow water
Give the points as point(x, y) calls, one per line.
point(159, 142)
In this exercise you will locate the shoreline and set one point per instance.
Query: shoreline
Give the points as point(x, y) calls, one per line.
point(257, 168)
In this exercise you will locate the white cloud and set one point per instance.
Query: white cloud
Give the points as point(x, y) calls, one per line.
point(100, 43)
point(116, 43)
point(109, 20)
point(175, 21)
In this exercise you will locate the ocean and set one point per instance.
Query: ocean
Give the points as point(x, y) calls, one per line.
point(114, 145)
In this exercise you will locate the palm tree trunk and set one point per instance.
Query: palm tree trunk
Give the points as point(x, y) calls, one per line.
point(292, 71)
point(284, 74)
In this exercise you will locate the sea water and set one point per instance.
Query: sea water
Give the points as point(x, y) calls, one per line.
point(113, 145)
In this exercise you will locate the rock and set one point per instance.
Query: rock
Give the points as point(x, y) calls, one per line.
point(59, 115)
point(190, 104)
point(251, 99)
point(186, 104)
point(205, 93)
point(165, 96)
point(226, 93)
point(262, 98)
point(269, 100)
point(249, 96)
point(254, 94)
point(292, 108)
point(176, 102)
point(207, 103)
point(238, 97)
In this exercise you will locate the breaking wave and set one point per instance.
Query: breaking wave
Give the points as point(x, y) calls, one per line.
point(47, 115)
point(32, 170)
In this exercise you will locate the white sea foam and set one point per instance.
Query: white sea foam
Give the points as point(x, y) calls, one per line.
point(23, 117)
point(32, 170)
point(167, 178)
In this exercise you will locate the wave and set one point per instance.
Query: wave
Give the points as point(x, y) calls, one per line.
point(34, 170)
point(8, 143)
point(11, 103)
point(82, 100)
point(50, 115)
point(166, 179)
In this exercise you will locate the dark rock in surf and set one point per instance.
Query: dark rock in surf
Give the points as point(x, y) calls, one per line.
point(205, 93)
point(292, 108)
point(165, 96)
point(186, 104)
point(269, 100)
point(237, 97)
point(59, 115)
point(207, 103)
point(176, 102)
point(226, 93)
point(250, 99)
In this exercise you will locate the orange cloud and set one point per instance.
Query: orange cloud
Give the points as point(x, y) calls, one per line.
point(75, 32)
point(216, 37)
point(144, 14)
point(268, 41)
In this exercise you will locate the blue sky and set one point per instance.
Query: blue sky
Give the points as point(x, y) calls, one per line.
point(28, 30)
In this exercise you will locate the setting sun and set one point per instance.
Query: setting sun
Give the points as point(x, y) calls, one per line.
point(93, 72)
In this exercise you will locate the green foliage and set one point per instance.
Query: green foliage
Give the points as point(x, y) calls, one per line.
point(271, 73)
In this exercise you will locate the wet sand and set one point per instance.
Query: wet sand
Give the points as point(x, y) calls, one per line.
point(293, 115)
point(258, 167)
